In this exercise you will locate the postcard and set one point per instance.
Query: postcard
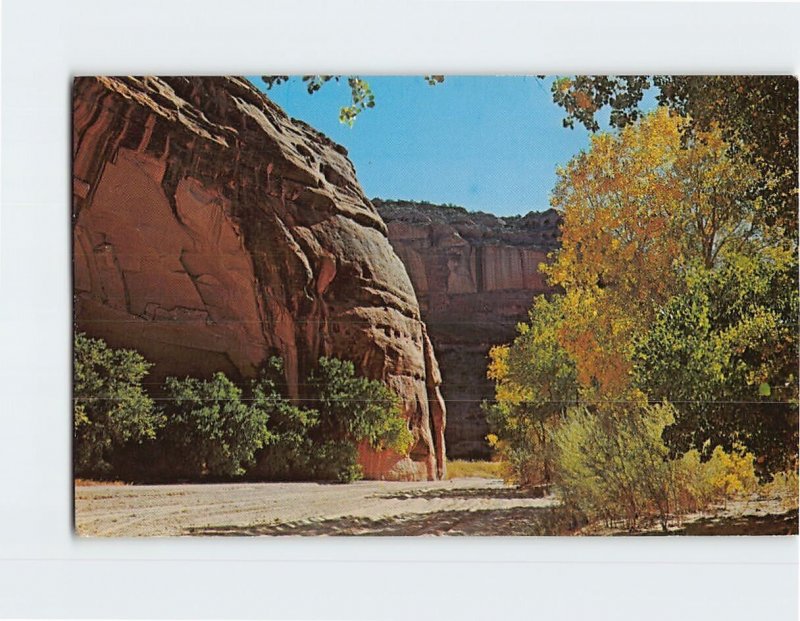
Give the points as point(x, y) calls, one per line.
point(435, 305)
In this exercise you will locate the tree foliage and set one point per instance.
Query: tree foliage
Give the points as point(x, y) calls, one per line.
point(535, 383)
point(361, 95)
point(218, 429)
point(209, 429)
point(637, 207)
point(321, 442)
point(215, 428)
point(357, 408)
point(757, 111)
point(725, 352)
point(110, 406)
point(290, 451)
point(674, 326)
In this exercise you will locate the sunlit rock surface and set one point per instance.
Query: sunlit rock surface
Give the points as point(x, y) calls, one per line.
point(475, 275)
point(211, 231)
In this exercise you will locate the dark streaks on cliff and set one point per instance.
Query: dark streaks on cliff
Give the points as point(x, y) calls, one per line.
point(237, 234)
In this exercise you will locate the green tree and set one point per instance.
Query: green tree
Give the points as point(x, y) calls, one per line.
point(290, 452)
point(535, 384)
point(725, 353)
point(322, 442)
point(209, 429)
point(110, 407)
point(353, 410)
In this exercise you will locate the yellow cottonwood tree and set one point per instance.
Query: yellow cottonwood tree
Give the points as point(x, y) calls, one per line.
point(637, 206)
point(649, 215)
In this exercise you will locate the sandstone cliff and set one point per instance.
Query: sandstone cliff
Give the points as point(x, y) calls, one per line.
point(211, 231)
point(475, 275)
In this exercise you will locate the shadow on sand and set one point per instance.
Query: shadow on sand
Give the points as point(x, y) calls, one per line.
point(508, 521)
point(488, 522)
point(771, 524)
point(484, 493)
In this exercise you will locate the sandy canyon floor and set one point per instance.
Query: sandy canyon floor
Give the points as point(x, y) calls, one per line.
point(468, 506)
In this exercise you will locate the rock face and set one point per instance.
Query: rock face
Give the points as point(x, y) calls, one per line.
point(475, 276)
point(211, 231)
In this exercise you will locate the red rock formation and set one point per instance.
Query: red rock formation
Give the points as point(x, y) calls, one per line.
point(211, 231)
point(475, 276)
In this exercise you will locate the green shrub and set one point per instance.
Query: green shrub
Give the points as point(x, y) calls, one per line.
point(111, 410)
point(616, 466)
point(352, 410)
point(613, 465)
point(290, 451)
point(337, 460)
point(322, 442)
point(209, 429)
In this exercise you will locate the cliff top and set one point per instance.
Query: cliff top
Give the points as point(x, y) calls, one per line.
point(536, 228)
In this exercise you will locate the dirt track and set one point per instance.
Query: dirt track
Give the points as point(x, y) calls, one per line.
point(455, 507)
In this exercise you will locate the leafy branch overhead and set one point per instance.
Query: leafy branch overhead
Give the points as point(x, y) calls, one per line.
point(759, 111)
point(361, 95)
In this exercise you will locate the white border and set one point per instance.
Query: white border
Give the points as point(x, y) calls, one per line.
point(44, 571)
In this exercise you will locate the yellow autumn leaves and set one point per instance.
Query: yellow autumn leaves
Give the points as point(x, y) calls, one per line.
point(654, 218)
point(636, 207)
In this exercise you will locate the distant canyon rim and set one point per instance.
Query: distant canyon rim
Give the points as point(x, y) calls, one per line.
point(475, 275)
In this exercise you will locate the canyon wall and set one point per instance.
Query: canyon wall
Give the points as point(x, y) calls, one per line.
point(211, 231)
point(475, 275)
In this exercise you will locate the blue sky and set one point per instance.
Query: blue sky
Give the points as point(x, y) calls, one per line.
point(486, 143)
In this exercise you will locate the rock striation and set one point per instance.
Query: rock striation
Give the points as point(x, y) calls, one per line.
point(211, 231)
point(475, 275)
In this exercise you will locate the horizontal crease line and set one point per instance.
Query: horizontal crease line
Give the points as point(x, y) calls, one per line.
point(297, 321)
point(451, 385)
point(448, 384)
point(427, 322)
point(581, 402)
